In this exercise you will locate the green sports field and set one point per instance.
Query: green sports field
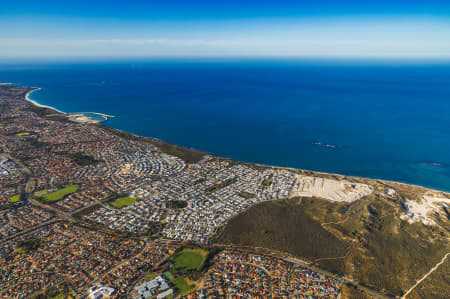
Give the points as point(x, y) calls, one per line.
point(22, 134)
point(181, 285)
point(121, 202)
point(14, 199)
point(59, 194)
point(189, 259)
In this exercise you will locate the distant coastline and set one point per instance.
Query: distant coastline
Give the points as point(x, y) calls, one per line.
point(254, 163)
point(146, 103)
point(80, 117)
point(27, 97)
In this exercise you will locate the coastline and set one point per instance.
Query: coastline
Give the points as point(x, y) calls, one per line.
point(77, 117)
point(27, 98)
point(349, 176)
point(35, 103)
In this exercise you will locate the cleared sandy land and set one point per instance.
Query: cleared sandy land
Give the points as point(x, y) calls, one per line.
point(429, 206)
point(81, 118)
point(332, 190)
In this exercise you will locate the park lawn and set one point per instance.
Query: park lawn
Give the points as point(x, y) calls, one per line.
point(59, 194)
point(267, 182)
point(14, 199)
point(189, 259)
point(168, 275)
point(121, 202)
point(181, 285)
point(40, 193)
point(22, 134)
point(247, 195)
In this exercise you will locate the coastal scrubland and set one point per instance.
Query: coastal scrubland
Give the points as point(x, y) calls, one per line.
point(435, 286)
point(283, 226)
point(186, 154)
point(366, 240)
point(349, 291)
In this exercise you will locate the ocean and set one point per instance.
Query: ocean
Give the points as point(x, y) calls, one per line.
point(379, 119)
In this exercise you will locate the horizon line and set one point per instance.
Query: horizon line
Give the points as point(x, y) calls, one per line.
point(230, 57)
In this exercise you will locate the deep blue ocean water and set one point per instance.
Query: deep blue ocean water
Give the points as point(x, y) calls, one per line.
point(387, 120)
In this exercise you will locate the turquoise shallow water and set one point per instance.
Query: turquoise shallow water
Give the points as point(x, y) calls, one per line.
point(386, 120)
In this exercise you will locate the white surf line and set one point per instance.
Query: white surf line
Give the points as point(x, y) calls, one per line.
point(426, 275)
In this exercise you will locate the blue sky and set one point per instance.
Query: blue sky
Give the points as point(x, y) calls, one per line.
point(100, 28)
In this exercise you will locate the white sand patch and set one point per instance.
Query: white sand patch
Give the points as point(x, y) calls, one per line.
point(390, 192)
point(423, 211)
point(332, 190)
point(81, 118)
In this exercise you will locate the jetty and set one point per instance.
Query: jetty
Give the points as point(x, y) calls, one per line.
point(105, 116)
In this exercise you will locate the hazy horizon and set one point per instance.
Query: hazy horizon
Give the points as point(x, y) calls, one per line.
point(298, 29)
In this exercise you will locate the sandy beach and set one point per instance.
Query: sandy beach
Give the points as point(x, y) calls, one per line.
point(76, 117)
point(40, 105)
